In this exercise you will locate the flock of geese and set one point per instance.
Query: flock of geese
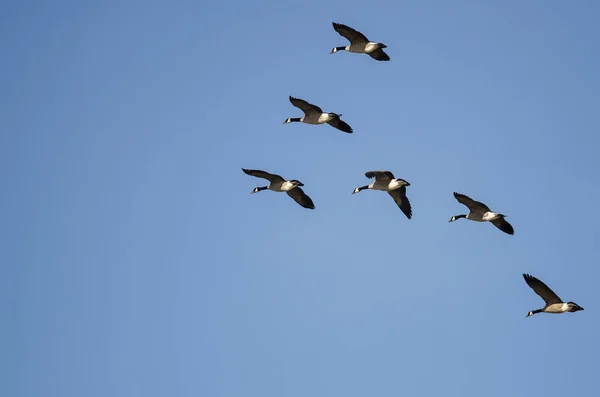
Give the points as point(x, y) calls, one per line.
point(386, 181)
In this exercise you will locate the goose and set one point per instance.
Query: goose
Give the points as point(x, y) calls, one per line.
point(480, 212)
point(315, 115)
point(554, 304)
point(359, 43)
point(278, 184)
point(396, 187)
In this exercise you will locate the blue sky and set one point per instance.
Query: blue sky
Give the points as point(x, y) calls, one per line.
point(135, 262)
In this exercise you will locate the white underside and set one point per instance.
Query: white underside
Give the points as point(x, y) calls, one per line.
point(557, 308)
point(386, 186)
point(490, 216)
point(324, 117)
point(371, 47)
point(284, 187)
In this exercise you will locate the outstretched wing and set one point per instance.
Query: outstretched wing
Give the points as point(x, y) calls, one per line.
point(301, 198)
point(379, 175)
point(340, 125)
point(473, 205)
point(307, 108)
point(399, 196)
point(273, 178)
point(352, 35)
point(542, 290)
point(501, 224)
point(379, 55)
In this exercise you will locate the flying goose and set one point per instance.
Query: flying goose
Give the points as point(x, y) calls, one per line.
point(480, 212)
point(278, 184)
point(554, 304)
point(315, 115)
point(359, 43)
point(396, 187)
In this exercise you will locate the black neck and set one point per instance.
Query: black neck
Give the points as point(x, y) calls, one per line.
point(537, 311)
point(295, 119)
point(340, 48)
point(363, 187)
point(258, 189)
point(459, 216)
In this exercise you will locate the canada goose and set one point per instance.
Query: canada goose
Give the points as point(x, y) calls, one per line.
point(315, 115)
point(385, 180)
point(554, 304)
point(359, 43)
point(482, 213)
point(278, 184)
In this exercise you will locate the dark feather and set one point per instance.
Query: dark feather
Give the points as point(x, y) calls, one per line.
point(379, 175)
point(542, 290)
point(474, 206)
point(379, 55)
point(340, 125)
point(399, 196)
point(307, 108)
point(273, 178)
point(352, 35)
point(501, 224)
point(301, 198)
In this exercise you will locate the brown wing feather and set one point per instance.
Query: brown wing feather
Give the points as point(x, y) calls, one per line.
point(301, 198)
point(379, 175)
point(473, 205)
point(399, 196)
point(379, 55)
point(273, 178)
point(501, 224)
point(340, 125)
point(305, 106)
point(352, 35)
point(542, 290)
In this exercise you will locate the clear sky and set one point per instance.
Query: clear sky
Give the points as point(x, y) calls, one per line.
point(136, 263)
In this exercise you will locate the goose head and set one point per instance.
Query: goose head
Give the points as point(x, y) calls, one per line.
point(574, 307)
